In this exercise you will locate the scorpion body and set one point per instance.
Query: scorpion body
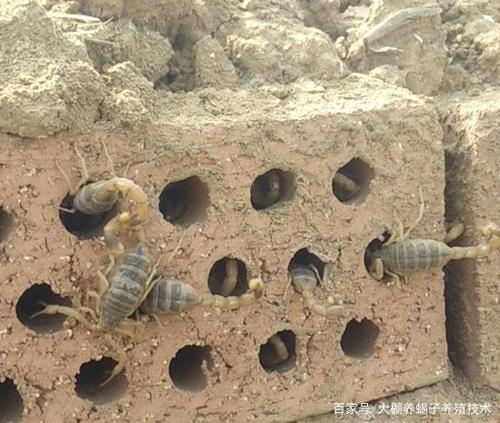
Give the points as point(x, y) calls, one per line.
point(304, 279)
point(127, 284)
point(171, 296)
point(415, 255)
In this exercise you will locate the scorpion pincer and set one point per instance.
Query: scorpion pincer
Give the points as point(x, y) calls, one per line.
point(171, 296)
point(304, 278)
point(122, 288)
point(400, 255)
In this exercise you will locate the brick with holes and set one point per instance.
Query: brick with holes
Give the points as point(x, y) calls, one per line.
point(263, 192)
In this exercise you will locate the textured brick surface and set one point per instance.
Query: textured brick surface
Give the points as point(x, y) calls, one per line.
point(473, 184)
point(312, 136)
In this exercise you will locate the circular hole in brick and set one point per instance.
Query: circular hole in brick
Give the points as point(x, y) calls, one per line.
point(370, 254)
point(271, 188)
point(31, 301)
point(184, 202)
point(351, 182)
point(6, 224)
point(304, 258)
point(278, 353)
point(83, 226)
point(189, 367)
point(93, 374)
point(228, 276)
point(11, 403)
point(358, 339)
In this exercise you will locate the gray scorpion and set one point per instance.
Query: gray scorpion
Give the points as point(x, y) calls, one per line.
point(399, 256)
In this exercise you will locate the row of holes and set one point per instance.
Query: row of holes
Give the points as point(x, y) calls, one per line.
point(31, 300)
point(184, 202)
point(188, 368)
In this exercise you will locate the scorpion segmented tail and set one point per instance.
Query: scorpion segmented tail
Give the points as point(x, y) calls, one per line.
point(126, 286)
point(256, 289)
point(130, 188)
point(484, 249)
point(320, 309)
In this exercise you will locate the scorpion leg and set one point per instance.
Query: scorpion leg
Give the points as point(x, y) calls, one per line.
point(419, 217)
point(109, 159)
point(395, 277)
point(120, 355)
point(85, 173)
point(66, 311)
point(89, 311)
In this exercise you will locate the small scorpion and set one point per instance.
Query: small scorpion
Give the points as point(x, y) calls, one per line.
point(399, 256)
point(101, 196)
point(304, 278)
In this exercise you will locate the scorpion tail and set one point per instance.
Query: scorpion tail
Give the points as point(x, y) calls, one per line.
point(256, 289)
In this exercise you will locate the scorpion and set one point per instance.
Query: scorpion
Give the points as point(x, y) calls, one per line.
point(399, 255)
point(101, 196)
point(171, 296)
point(304, 278)
point(276, 352)
point(123, 286)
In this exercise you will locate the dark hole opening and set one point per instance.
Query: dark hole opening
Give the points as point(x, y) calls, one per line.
point(351, 182)
point(305, 258)
point(95, 372)
point(83, 226)
point(188, 368)
point(369, 259)
point(278, 353)
point(358, 339)
point(11, 403)
point(184, 202)
point(273, 187)
point(30, 302)
point(221, 277)
point(6, 224)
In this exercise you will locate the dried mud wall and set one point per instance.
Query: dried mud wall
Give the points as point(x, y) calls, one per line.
point(204, 103)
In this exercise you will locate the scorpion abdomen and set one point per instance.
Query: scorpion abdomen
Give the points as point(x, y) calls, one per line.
point(126, 286)
point(170, 296)
point(414, 255)
point(95, 198)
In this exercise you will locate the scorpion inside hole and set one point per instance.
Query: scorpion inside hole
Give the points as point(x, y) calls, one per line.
point(304, 278)
point(100, 197)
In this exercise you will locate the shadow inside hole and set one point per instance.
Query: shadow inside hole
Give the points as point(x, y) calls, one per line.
point(305, 258)
point(186, 369)
point(6, 224)
point(351, 182)
point(278, 354)
point(31, 301)
point(11, 403)
point(184, 202)
point(273, 187)
point(95, 372)
point(358, 339)
point(217, 276)
point(83, 226)
point(369, 256)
